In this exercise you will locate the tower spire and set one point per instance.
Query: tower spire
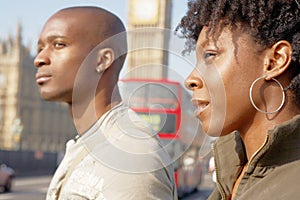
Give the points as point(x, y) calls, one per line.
point(19, 33)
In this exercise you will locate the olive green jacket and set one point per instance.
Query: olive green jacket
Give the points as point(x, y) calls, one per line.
point(273, 171)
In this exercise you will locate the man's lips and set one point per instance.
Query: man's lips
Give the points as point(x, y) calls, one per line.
point(200, 105)
point(42, 78)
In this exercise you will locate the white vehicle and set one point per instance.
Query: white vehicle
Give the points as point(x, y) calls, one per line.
point(7, 175)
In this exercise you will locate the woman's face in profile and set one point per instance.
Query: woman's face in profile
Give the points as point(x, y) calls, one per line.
point(227, 63)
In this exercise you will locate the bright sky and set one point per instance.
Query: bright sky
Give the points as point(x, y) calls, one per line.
point(32, 14)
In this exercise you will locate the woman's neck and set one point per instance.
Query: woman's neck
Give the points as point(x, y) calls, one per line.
point(254, 135)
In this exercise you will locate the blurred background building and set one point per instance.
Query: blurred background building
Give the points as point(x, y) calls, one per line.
point(26, 121)
point(33, 132)
point(29, 123)
point(148, 39)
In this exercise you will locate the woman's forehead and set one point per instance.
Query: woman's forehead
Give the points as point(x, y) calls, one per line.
point(207, 37)
point(221, 36)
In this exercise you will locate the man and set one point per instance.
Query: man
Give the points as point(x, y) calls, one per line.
point(81, 51)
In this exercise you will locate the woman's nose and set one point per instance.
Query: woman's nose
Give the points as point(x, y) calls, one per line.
point(193, 82)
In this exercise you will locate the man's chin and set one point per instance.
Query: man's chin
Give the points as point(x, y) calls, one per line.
point(48, 97)
point(56, 96)
point(45, 96)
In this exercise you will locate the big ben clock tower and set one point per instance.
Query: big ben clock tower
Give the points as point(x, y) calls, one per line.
point(148, 39)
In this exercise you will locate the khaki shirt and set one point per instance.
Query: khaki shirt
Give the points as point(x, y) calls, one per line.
point(119, 157)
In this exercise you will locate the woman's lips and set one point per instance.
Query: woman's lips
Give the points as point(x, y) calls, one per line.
point(200, 106)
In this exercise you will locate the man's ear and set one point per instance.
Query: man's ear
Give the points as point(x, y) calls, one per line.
point(277, 59)
point(105, 58)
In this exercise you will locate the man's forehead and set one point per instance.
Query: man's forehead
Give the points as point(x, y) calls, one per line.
point(63, 28)
point(80, 18)
point(81, 11)
point(64, 20)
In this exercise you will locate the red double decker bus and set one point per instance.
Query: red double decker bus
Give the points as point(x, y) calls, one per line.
point(166, 106)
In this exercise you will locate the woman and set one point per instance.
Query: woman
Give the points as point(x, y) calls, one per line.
point(253, 48)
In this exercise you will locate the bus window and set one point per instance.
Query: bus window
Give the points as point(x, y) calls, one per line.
point(160, 122)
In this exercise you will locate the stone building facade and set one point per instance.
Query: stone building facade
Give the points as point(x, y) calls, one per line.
point(26, 121)
point(149, 23)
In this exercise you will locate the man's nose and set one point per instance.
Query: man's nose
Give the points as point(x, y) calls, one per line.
point(41, 59)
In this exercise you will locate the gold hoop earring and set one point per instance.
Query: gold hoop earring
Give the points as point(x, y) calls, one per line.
point(258, 109)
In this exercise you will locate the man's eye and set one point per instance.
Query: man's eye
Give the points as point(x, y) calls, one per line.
point(59, 44)
point(39, 48)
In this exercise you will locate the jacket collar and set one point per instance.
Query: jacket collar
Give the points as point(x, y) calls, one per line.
point(282, 146)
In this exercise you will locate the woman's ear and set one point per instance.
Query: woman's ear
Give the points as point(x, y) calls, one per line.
point(105, 58)
point(277, 59)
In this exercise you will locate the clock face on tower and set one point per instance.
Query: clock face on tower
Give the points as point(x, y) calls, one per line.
point(144, 12)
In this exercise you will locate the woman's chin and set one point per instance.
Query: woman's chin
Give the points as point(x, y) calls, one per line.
point(214, 129)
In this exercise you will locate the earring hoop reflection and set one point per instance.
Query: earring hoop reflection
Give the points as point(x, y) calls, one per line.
point(258, 109)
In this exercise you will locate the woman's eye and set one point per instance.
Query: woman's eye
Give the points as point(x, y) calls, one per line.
point(208, 55)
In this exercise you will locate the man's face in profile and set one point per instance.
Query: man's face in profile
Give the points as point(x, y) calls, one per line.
point(62, 47)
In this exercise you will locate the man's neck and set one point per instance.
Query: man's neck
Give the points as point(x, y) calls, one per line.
point(85, 116)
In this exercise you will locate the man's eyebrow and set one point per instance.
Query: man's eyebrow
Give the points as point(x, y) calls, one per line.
point(51, 38)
